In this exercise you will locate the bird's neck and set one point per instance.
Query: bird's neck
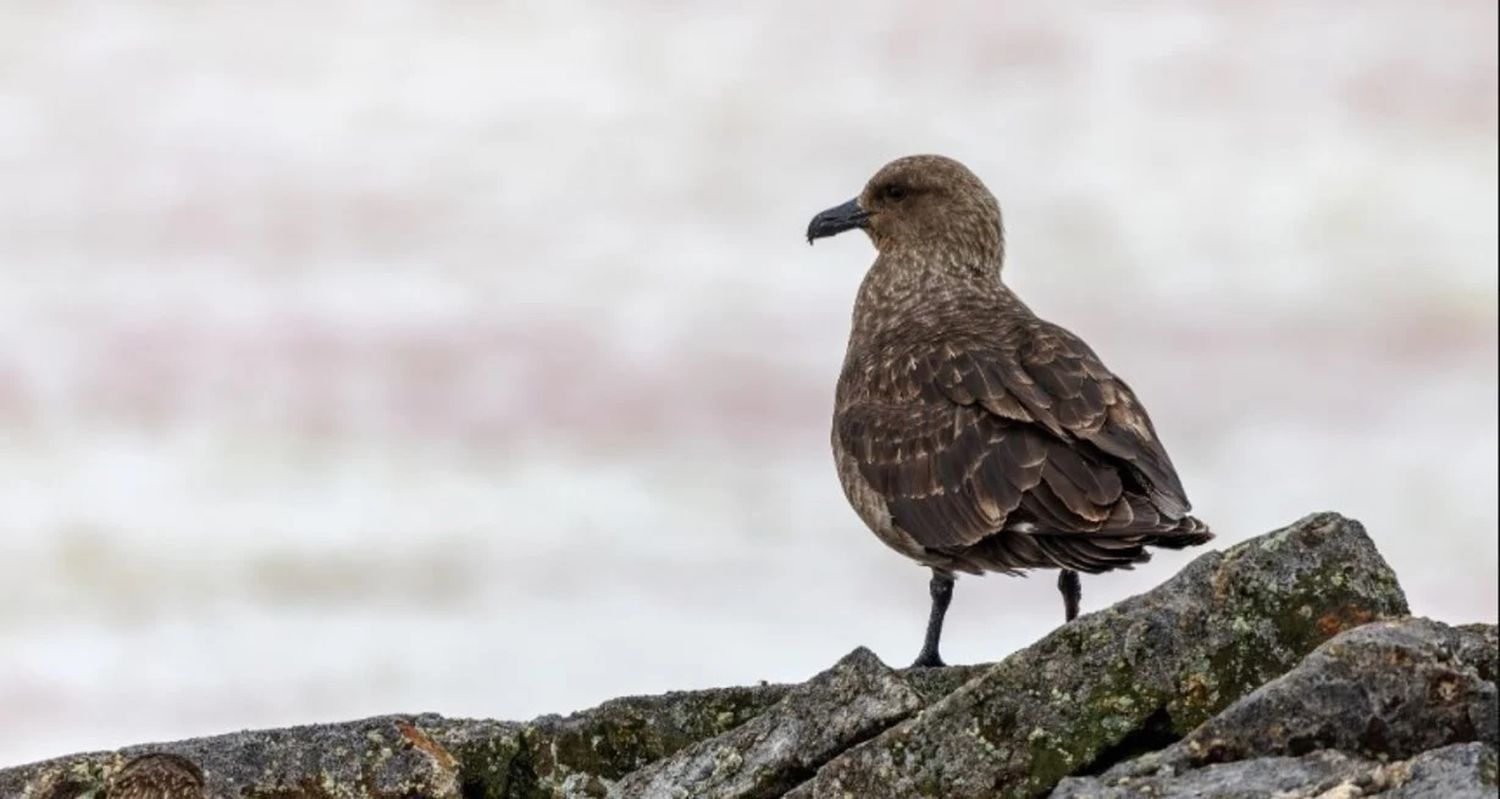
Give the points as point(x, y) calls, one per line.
point(933, 291)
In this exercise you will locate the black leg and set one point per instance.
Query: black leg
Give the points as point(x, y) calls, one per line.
point(1072, 591)
point(941, 588)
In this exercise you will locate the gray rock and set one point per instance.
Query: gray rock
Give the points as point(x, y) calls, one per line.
point(582, 754)
point(388, 756)
point(1386, 690)
point(1460, 771)
point(847, 704)
point(1308, 776)
point(431, 756)
point(934, 684)
point(1100, 691)
point(1131, 678)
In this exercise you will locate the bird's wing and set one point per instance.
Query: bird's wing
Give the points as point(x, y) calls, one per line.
point(967, 440)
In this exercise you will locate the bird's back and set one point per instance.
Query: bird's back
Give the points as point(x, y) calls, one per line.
point(970, 434)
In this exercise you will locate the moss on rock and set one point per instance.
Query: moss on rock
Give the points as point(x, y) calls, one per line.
point(1170, 658)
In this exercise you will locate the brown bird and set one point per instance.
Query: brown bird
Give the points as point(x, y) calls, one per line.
point(969, 434)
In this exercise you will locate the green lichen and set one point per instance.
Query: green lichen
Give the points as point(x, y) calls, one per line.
point(487, 768)
point(1273, 626)
point(622, 736)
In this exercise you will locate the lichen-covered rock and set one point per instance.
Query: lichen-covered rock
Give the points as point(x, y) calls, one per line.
point(1109, 694)
point(389, 757)
point(1459, 771)
point(581, 754)
point(426, 755)
point(1386, 690)
point(1131, 678)
point(764, 757)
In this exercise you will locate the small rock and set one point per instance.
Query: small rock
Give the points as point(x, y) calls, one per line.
point(764, 757)
point(1388, 690)
point(1460, 771)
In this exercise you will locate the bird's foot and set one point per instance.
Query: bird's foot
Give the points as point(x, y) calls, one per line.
point(928, 660)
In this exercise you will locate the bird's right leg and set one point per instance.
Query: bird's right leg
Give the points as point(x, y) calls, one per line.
point(1072, 591)
point(941, 588)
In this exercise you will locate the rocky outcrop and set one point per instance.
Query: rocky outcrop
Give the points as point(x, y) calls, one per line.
point(1285, 664)
point(1391, 705)
point(1386, 690)
point(1131, 677)
point(1460, 771)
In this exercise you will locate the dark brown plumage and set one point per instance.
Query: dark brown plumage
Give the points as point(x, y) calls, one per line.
point(969, 434)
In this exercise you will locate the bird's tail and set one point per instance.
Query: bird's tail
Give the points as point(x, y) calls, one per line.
point(1093, 553)
point(1188, 531)
point(1089, 552)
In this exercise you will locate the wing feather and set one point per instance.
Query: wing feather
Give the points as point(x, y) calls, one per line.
point(1028, 433)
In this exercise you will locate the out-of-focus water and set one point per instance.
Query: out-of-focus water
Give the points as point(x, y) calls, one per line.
point(373, 357)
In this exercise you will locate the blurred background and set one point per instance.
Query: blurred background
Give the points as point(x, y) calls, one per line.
point(364, 357)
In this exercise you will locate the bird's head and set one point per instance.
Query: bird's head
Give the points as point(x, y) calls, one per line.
point(920, 202)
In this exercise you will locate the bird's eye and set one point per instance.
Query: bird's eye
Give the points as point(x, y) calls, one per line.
point(895, 191)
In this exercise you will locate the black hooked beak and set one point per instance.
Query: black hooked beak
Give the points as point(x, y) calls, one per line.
point(837, 220)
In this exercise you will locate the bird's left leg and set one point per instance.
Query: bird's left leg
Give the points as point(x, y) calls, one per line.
point(1072, 591)
point(941, 588)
